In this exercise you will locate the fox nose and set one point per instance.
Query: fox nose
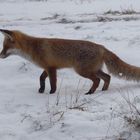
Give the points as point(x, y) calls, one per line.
point(2, 56)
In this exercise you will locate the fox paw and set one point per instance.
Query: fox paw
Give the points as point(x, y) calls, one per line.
point(89, 92)
point(41, 90)
point(52, 91)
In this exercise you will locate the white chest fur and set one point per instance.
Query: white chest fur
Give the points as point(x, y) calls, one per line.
point(20, 53)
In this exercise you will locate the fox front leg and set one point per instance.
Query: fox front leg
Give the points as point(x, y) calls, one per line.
point(43, 76)
point(52, 78)
point(51, 72)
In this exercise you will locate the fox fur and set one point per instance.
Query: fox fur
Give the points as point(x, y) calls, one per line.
point(85, 57)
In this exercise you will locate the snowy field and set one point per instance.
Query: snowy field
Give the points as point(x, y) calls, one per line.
point(69, 114)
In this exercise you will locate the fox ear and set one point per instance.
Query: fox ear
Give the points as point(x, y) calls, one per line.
point(7, 33)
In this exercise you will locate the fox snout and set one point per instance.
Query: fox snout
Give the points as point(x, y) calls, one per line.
point(3, 54)
point(7, 52)
point(8, 44)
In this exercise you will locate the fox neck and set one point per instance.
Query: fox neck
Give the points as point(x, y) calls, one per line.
point(27, 49)
point(21, 53)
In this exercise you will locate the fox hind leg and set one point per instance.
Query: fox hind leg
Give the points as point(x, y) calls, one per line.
point(96, 82)
point(93, 77)
point(106, 79)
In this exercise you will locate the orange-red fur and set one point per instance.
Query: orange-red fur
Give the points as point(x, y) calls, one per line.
point(85, 57)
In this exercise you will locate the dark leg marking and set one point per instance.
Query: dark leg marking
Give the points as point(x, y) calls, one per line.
point(42, 82)
point(53, 79)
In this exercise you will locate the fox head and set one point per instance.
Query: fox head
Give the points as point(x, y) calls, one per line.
point(10, 44)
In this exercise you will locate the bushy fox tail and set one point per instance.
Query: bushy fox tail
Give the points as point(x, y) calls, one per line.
point(119, 68)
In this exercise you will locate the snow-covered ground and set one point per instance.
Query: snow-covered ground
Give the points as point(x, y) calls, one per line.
point(69, 114)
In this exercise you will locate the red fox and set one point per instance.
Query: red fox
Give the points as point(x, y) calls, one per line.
point(85, 57)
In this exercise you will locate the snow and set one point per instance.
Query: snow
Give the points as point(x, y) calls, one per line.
point(69, 114)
